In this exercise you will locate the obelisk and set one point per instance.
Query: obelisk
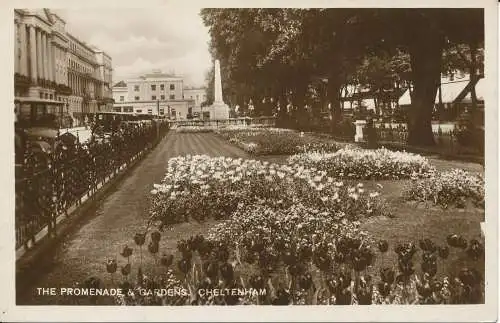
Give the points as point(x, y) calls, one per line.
point(218, 110)
point(218, 84)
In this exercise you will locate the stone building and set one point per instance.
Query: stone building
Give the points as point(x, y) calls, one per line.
point(58, 79)
point(156, 93)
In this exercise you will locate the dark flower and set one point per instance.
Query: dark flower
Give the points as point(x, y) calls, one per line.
point(126, 252)
point(156, 236)
point(476, 250)
point(429, 257)
point(339, 257)
point(305, 281)
point(111, 266)
point(166, 260)
point(140, 238)
point(429, 267)
point(443, 252)
point(456, 241)
point(256, 281)
point(227, 272)
point(384, 289)
point(184, 265)
point(364, 297)
point(406, 268)
point(387, 275)
point(469, 277)
point(126, 270)
point(424, 290)
point(383, 246)
point(436, 285)
point(153, 247)
point(427, 245)
point(211, 270)
point(282, 297)
point(289, 258)
point(406, 251)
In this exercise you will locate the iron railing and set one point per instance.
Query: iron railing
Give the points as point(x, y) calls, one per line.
point(47, 186)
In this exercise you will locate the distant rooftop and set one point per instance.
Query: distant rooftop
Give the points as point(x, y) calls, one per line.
point(120, 84)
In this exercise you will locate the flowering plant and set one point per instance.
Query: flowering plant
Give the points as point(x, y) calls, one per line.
point(355, 163)
point(275, 141)
point(201, 187)
point(451, 188)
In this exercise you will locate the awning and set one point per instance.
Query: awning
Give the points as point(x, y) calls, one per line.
point(451, 90)
point(42, 132)
point(36, 100)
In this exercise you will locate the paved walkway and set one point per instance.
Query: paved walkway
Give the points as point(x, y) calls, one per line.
point(84, 252)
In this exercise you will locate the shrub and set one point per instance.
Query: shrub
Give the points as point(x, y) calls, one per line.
point(354, 163)
point(451, 188)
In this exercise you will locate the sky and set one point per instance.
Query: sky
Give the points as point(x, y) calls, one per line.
point(171, 39)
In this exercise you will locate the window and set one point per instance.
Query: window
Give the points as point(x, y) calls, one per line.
point(162, 97)
point(162, 111)
point(136, 88)
point(122, 98)
point(138, 111)
point(162, 87)
point(150, 111)
point(153, 97)
point(137, 98)
point(197, 97)
point(172, 96)
point(153, 87)
point(118, 109)
point(172, 86)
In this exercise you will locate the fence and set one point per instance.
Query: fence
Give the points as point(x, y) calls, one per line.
point(448, 140)
point(48, 186)
point(213, 123)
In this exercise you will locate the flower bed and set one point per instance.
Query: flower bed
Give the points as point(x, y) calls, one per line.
point(194, 129)
point(356, 163)
point(200, 187)
point(322, 264)
point(275, 141)
point(452, 188)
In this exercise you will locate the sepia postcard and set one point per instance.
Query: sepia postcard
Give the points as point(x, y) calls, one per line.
point(250, 161)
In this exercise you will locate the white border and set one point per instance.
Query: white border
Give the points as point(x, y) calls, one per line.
point(10, 312)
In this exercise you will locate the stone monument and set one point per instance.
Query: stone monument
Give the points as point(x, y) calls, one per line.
point(218, 110)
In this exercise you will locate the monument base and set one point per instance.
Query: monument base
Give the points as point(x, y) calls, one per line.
point(219, 111)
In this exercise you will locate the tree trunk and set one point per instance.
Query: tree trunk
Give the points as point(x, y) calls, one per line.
point(473, 75)
point(333, 93)
point(425, 53)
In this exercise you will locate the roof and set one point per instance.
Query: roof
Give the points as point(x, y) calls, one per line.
point(450, 90)
point(120, 84)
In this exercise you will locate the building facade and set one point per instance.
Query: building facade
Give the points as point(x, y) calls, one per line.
point(58, 80)
point(154, 94)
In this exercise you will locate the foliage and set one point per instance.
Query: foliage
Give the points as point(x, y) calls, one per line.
point(200, 187)
point(315, 270)
point(275, 141)
point(451, 188)
point(356, 163)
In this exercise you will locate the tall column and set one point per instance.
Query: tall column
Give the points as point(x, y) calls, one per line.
point(45, 55)
point(17, 46)
point(24, 51)
point(50, 65)
point(33, 49)
point(39, 57)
